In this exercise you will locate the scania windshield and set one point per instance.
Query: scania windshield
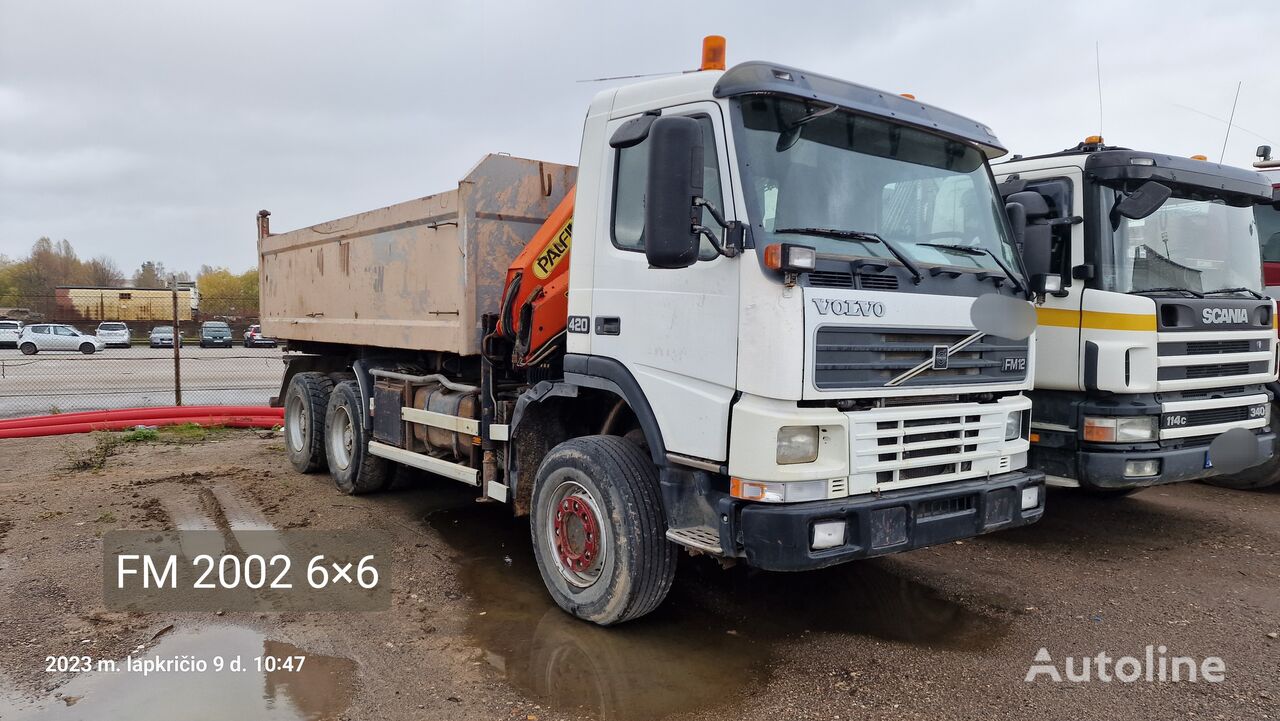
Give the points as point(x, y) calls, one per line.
point(1200, 245)
point(852, 185)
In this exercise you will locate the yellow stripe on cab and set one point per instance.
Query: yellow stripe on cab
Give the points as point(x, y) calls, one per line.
point(1095, 319)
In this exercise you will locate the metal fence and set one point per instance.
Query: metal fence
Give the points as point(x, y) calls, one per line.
point(140, 374)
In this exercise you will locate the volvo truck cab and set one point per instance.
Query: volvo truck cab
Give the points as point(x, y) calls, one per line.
point(1160, 339)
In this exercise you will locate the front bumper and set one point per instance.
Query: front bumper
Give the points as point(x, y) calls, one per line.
point(1105, 469)
point(777, 537)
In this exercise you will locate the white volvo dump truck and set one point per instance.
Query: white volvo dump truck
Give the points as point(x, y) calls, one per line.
point(1160, 338)
point(760, 346)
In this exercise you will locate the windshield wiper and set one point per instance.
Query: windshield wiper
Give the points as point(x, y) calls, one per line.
point(978, 250)
point(1242, 289)
point(1195, 293)
point(863, 236)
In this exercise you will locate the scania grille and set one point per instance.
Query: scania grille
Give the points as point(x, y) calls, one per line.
point(1206, 347)
point(1190, 361)
point(1189, 418)
point(1216, 415)
point(856, 358)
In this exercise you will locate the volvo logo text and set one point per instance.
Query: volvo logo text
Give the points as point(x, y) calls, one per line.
point(1225, 315)
point(851, 308)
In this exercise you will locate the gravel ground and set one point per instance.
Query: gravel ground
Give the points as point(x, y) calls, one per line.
point(942, 633)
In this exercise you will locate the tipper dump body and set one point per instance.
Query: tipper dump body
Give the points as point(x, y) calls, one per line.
point(416, 275)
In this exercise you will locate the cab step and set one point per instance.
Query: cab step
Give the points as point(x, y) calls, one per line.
point(699, 538)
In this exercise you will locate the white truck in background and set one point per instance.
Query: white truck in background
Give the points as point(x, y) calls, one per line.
point(1160, 339)
point(760, 347)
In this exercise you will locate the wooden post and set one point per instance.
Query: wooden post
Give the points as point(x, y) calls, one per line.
point(177, 345)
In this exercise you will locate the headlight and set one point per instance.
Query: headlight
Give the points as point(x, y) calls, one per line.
point(777, 492)
point(797, 444)
point(1013, 426)
point(1120, 429)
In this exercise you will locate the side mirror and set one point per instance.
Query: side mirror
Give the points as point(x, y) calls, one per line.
point(1017, 215)
point(1034, 240)
point(675, 179)
point(1142, 202)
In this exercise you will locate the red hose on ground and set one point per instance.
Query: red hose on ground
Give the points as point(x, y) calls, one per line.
point(124, 425)
point(138, 413)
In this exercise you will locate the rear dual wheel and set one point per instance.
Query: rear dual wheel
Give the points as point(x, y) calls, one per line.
point(598, 531)
point(353, 468)
point(305, 403)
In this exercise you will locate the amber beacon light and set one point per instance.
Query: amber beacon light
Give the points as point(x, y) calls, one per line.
point(712, 53)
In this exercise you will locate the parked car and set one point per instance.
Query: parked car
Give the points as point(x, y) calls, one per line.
point(10, 330)
point(215, 334)
point(254, 337)
point(114, 334)
point(55, 336)
point(162, 337)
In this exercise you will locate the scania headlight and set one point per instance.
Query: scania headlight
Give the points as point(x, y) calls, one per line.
point(1120, 429)
point(1013, 426)
point(797, 444)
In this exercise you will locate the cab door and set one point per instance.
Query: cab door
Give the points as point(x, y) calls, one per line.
point(675, 330)
point(1058, 329)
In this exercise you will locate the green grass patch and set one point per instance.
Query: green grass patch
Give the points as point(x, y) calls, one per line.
point(104, 446)
point(141, 435)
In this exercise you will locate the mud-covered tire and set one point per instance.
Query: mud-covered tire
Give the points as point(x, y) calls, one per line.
point(28, 348)
point(615, 484)
point(354, 470)
point(306, 403)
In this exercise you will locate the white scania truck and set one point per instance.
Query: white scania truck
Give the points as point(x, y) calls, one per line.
point(1160, 338)
point(761, 348)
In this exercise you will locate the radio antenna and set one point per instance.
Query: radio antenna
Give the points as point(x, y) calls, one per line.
point(629, 77)
point(1230, 119)
point(1097, 58)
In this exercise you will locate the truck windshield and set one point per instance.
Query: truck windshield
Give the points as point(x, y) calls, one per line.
point(1193, 242)
point(812, 166)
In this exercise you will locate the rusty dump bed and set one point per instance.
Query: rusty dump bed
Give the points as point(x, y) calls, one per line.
point(415, 275)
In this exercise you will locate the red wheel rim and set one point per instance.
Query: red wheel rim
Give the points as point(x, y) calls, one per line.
point(577, 534)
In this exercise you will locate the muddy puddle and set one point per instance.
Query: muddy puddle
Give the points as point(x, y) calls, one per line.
point(321, 689)
point(714, 639)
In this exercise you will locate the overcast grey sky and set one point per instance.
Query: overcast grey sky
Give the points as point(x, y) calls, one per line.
point(157, 129)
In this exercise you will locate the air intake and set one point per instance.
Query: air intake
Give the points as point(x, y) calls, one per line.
point(830, 279)
point(877, 282)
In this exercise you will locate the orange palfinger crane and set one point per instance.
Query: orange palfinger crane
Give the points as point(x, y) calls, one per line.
point(535, 297)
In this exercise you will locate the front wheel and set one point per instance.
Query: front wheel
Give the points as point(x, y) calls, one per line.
point(353, 468)
point(28, 349)
point(598, 532)
point(87, 348)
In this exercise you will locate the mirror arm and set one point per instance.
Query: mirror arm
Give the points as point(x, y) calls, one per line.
point(727, 251)
point(734, 236)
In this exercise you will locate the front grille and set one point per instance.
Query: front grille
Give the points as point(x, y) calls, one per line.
point(1200, 393)
point(1215, 370)
point(958, 441)
point(1209, 416)
point(1207, 347)
point(847, 357)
